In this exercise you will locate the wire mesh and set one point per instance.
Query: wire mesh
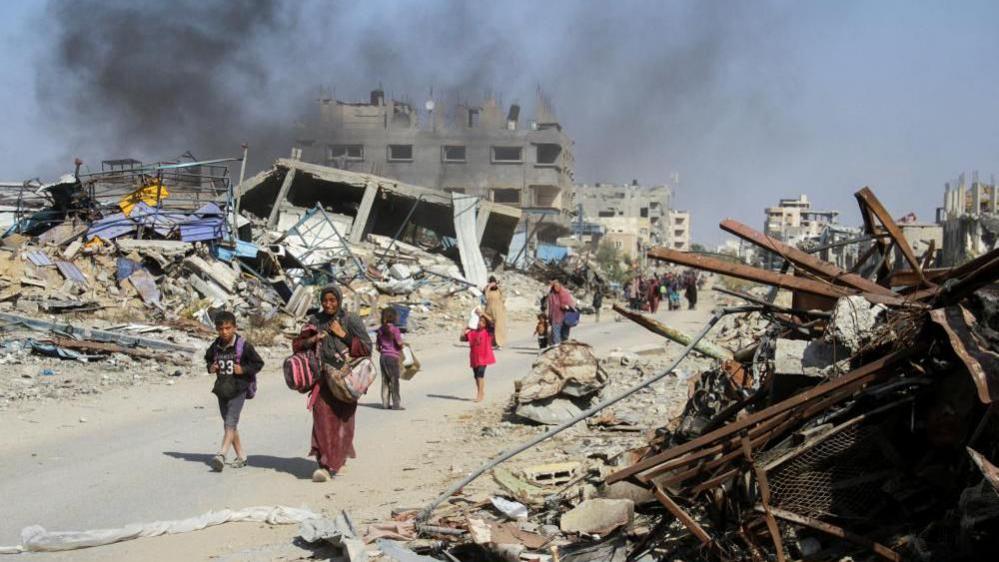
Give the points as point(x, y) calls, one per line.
point(841, 476)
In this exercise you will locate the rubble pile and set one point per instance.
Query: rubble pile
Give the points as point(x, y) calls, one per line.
point(857, 425)
point(87, 256)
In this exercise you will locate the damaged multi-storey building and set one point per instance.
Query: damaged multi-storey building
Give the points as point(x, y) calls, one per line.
point(478, 150)
point(631, 217)
point(969, 219)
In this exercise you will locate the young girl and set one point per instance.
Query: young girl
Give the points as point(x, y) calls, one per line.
point(389, 344)
point(541, 331)
point(480, 353)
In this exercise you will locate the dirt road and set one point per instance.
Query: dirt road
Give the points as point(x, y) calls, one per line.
point(139, 454)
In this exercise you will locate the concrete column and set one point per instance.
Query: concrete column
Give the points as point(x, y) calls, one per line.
point(363, 212)
point(976, 198)
point(482, 218)
point(962, 193)
point(995, 205)
point(947, 199)
point(282, 195)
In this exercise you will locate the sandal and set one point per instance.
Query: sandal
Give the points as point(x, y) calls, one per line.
point(218, 462)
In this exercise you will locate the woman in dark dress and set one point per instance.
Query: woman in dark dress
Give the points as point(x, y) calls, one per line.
point(340, 333)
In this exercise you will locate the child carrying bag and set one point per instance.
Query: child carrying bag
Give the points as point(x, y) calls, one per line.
point(410, 364)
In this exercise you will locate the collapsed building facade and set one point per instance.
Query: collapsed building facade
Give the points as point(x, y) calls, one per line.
point(969, 219)
point(459, 148)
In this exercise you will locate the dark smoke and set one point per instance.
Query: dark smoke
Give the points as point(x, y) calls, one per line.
point(152, 80)
point(645, 89)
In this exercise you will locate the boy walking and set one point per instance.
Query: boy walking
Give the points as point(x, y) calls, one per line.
point(235, 364)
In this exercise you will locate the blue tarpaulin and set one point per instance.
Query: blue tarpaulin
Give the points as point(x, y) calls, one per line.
point(551, 252)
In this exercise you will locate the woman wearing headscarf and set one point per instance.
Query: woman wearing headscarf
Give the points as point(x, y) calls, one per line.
point(496, 309)
point(341, 334)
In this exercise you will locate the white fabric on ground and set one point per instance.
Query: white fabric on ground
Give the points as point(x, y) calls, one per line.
point(36, 539)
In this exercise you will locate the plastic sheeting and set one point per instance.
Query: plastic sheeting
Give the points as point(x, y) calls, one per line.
point(468, 243)
point(36, 539)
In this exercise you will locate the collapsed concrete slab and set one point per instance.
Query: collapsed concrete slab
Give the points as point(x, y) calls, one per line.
point(377, 205)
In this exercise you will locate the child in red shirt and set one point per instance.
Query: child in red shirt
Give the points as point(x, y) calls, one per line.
point(480, 353)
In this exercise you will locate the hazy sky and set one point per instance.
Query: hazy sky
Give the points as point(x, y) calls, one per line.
point(746, 101)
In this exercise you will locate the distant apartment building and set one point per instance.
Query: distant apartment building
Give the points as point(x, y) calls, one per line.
point(793, 220)
point(478, 150)
point(632, 209)
point(679, 230)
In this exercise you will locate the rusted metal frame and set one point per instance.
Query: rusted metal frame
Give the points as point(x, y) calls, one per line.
point(754, 549)
point(928, 256)
point(750, 273)
point(729, 450)
point(807, 413)
point(873, 205)
point(884, 269)
point(907, 277)
point(761, 480)
point(693, 526)
point(863, 258)
point(883, 246)
point(803, 260)
point(811, 442)
point(765, 277)
point(833, 530)
point(721, 477)
point(860, 374)
point(984, 275)
point(968, 267)
point(763, 302)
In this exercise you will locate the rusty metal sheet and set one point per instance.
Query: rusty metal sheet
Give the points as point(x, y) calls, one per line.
point(982, 364)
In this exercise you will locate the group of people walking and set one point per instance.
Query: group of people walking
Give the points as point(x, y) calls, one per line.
point(647, 292)
point(337, 337)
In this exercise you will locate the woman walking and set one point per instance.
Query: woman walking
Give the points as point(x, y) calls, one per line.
point(496, 310)
point(341, 335)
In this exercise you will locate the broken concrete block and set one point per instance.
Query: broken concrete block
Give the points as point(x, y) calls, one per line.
point(553, 474)
point(549, 412)
point(852, 321)
point(598, 516)
point(801, 357)
point(218, 272)
point(479, 530)
point(400, 271)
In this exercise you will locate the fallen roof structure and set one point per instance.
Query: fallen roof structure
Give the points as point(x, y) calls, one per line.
point(378, 205)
